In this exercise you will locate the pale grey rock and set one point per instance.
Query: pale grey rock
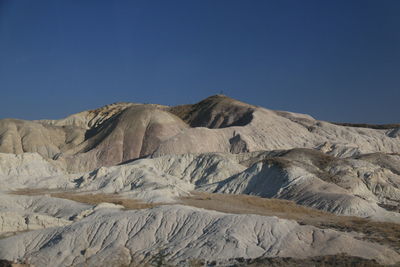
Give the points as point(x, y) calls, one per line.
point(41, 204)
point(351, 186)
point(27, 164)
point(181, 233)
point(122, 132)
point(217, 145)
point(342, 186)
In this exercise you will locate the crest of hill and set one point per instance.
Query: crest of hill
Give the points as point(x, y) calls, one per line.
point(371, 126)
point(90, 118)
point(135, 132)
point(125, 131)
point(216, 111)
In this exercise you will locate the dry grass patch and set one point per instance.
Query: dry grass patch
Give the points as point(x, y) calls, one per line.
point(245, 204)
point(90, 198)
point(34, 192)
point(380, 232)
point(130, 204)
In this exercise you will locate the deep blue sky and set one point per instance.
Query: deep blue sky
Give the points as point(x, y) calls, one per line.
point(336, 60)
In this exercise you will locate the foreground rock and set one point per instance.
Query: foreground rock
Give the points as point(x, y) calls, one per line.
point(180, 233)
point(26, 213)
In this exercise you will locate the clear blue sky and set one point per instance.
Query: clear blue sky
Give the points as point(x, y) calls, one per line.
point(336, 60)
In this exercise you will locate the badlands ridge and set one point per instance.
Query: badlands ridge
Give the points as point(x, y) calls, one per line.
point(134, 184)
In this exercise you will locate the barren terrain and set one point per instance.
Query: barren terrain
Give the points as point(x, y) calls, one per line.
point(219, 182)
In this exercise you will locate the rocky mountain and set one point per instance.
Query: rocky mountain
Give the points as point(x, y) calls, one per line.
point(65, 186)
point(123, 132)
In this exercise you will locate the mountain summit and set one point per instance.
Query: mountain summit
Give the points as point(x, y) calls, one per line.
point(125, 131)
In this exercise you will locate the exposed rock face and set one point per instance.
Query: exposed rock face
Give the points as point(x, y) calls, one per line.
point(135, 132)
point(27, 213)
point(215, 112)
point(18, 136)
point(53, 207)
point(126, 131)
point(362, 186)
point(27, 164)
point(16, 222)
point(238, 145)
point(91, 118)
point(344, 186)
point(160, 154)
point(394, 133)
point(181, 233)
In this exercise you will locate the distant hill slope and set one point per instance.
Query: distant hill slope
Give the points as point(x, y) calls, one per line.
point(124, 131)
point(371, 126)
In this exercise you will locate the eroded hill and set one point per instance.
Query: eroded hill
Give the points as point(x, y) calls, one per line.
point(220, 182)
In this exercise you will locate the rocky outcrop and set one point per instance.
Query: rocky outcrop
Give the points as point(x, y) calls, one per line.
point(126, 131)
point(180, 233)
point(162, 154)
